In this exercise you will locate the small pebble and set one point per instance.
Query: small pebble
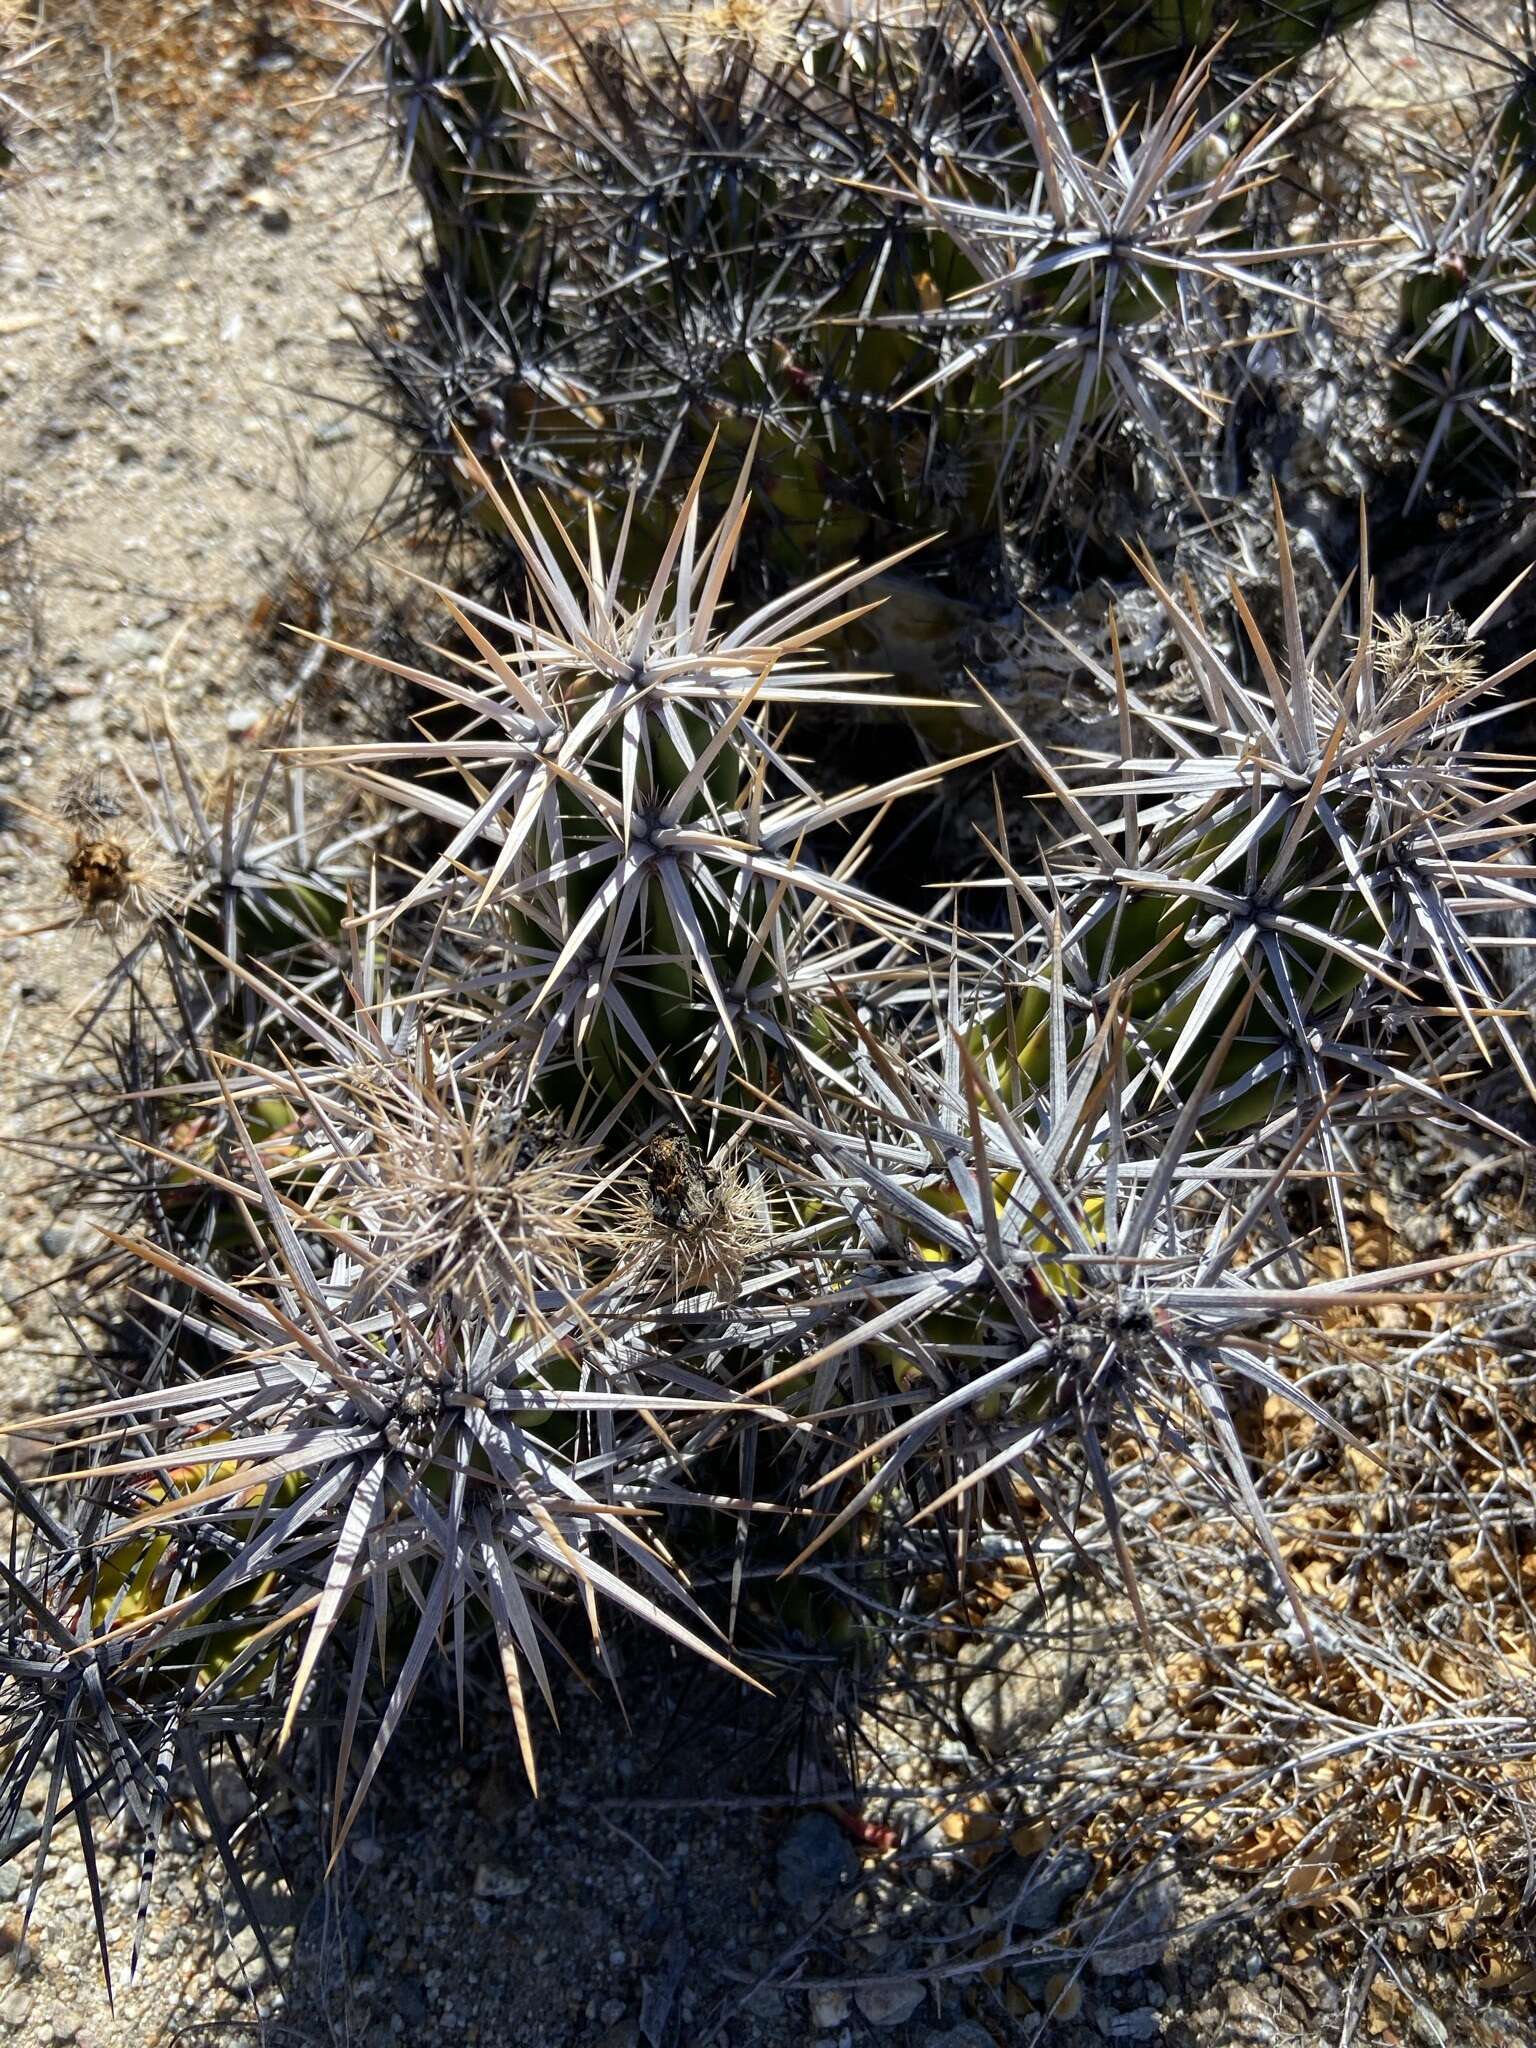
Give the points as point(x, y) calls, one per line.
point(830, 2008)
point(132, 643)
point(889, 2005)
point(815, 1861)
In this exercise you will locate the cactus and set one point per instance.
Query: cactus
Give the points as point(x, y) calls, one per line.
point(1338, 849)
point(1465, 365)
point(456, 93)
point(186, 879)
point(230, 861)
point(647, 908)
point(468, 1433)
point(940, 305)
point(480, 1328)
point(1250, 36)
point(1105, 290)
point(606, 1165)
point(721, 260)
point(1018, 1267)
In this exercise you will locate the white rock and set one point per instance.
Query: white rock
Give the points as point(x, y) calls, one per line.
point(830, 2008)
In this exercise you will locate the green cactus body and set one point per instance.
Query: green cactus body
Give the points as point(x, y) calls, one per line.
point(1515, 134)
point(1261, 32)
point(958, 1336)
point(133, 1579)
point(272, 917)
point(462, 126)
point(1175, 935)
point(1450, 369)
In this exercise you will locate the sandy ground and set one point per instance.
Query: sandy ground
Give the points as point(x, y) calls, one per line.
point(173, 315)
point(173, 302)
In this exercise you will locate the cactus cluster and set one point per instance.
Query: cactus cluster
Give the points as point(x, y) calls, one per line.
point(624, 1141)
point(588, 1142)
point(949, 299)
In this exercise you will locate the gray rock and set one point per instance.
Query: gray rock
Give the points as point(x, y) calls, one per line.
point(1135, 1937)
point(1040, 1902)
point(966, 2035)
point(815, 1861)
point(58, 1240)
point(829, 2009)
point(495, 1881)
point(1031, 1668)
point(1427, 2028)
point(16, 2008)
point(889, 2005)
point(1141, 2025)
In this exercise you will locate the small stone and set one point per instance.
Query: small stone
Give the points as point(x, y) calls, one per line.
point(1039, 1906)
point(10, 1873)
point(244, 719)
point(611, 2011)
point(333, 433)
point(967, 2035)
point(888, 2005)
point(65, 2030)
point(1134, 1938)
point(815, 1861)
point(16, 2008)
point(1427, 2028)
point(268, 209)
point(57, 1241)
point(131, 643)
point(494, 1881)
point(830, 2008)
point(1141, 2025)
